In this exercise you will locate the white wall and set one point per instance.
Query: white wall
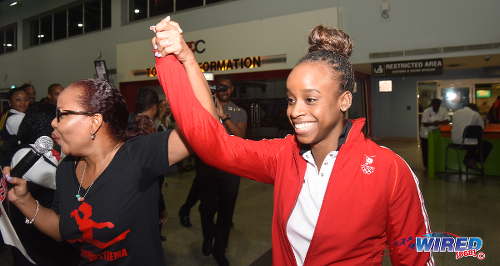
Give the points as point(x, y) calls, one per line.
point(420, 24)
point(263, 37)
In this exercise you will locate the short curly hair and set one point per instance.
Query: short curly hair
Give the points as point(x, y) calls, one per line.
point(100, 97)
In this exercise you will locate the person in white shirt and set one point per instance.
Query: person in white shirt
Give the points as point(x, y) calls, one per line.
point(469, 116)
point(432, 117)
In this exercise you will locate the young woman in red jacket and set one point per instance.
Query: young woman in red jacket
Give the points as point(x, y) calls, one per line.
point(339, 198)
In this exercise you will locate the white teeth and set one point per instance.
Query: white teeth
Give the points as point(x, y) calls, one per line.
point(303, 125)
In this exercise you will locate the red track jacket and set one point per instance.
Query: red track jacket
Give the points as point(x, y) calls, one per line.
point(372, 201)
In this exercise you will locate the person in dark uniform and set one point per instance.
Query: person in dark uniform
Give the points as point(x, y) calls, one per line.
point(223, 90)
point(220, 189)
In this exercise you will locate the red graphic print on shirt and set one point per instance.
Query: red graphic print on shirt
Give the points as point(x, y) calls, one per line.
point(86, 225)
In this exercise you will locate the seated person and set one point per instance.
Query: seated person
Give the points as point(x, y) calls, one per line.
point(469, 116)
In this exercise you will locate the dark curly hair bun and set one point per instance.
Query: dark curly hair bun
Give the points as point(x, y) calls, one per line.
point(330, 39)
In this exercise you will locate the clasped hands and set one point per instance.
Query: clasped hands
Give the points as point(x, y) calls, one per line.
point(169, 40)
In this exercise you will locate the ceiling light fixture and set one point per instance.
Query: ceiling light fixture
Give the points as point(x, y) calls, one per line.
point(13, 3)
point(451, 96)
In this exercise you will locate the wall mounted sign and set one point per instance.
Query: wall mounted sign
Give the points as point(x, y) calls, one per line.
point(414, 67)
point(230, 64)
point(225, 64)
point(197, 46)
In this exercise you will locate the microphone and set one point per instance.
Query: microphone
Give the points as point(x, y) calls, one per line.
point(42, 145)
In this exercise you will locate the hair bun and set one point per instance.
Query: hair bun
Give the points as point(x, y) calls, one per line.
point(330, 39)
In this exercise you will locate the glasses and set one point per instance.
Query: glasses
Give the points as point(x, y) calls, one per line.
point(60, 113)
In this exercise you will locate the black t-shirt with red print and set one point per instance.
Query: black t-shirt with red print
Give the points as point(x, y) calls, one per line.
point(117, 223)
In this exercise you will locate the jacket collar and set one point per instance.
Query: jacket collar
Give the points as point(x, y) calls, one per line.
point(351, 131)
point(355, 134)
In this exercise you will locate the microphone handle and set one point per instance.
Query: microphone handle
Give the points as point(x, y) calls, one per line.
point(25, 164)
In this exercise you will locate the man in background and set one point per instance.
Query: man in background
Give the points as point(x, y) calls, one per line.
point(469, 116)
point(217, 190)
point(39, 115)
point(432, 117)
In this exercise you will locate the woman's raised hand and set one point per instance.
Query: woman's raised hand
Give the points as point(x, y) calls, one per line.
point(169, 40)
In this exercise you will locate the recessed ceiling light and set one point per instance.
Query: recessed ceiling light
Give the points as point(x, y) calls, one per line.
point(137, 11)
point(451, 96)
point(80, 25)
point(13, 3)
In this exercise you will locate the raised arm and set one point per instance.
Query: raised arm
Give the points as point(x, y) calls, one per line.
point(169, 40)
point(206, 135)
point(177, 146)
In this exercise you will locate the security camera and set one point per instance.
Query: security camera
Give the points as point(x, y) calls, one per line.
point(385, 8)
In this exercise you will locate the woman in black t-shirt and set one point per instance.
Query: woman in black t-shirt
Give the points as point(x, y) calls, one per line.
point(106, 202)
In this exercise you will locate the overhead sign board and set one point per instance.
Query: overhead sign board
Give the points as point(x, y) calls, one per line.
point(403, 68)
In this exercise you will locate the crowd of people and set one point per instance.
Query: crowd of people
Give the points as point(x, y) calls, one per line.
point(339, 198)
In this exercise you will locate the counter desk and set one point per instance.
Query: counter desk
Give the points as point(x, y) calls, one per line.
point(438, 140)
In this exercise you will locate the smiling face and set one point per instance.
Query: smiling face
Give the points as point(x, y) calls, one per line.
point(31, 94)
point(225, 96)
point(72, 132)
point(19, 101)
point(315, 104)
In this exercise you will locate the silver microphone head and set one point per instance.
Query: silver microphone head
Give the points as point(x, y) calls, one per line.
point(43, 144)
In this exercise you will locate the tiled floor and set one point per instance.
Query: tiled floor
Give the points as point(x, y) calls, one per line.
point(466, 209)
